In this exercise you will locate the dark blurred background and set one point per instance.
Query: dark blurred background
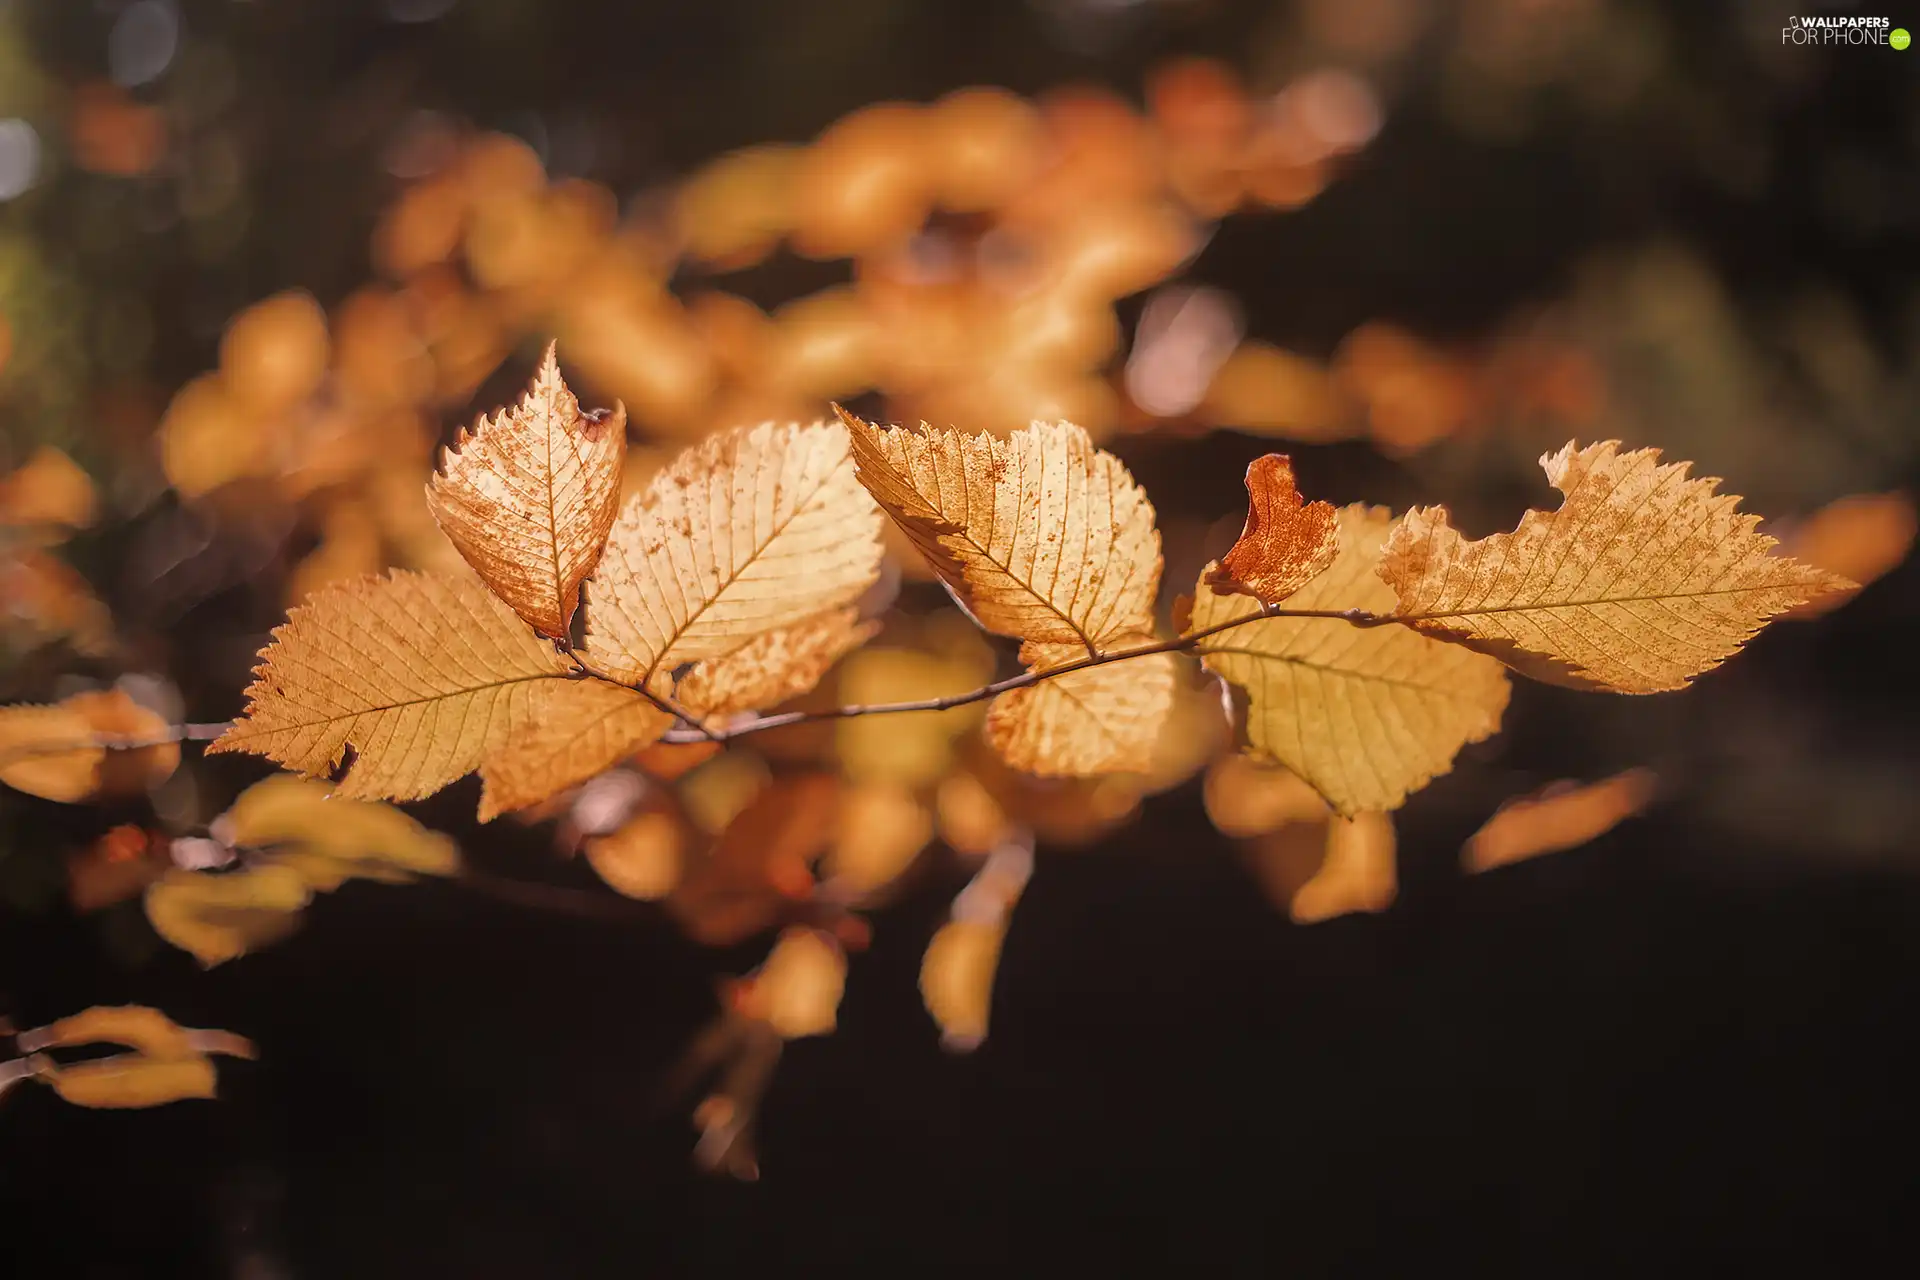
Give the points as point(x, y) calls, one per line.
point(1686, 1044)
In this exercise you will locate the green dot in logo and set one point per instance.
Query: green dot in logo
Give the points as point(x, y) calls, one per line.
point(1899, 38)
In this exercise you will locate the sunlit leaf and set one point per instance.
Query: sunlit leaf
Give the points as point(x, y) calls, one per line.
point(1364, 714)
point(425, 677)
point(1642, 579)
point(750, 531)
point(1041, 536)
point(529, 496)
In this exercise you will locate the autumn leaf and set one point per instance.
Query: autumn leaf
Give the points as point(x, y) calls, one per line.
point(425, 677)
point(1040, 535)
point(1642, 579)
point(956, 979)
point(1364, 714)
point(1101, 719)
point(169, 1062)
point(1285, 544)
point(575, 729)
point(31, 762)
point(1557, 817)
point(642, 858)
point(1357, 873)
point(216, 918)
point(32, 738)
point(529, 495)
point(769, 669)
point(284, 812)
point(754, 530)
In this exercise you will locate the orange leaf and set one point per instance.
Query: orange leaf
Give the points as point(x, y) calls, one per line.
point(1285, 544)
point(529, 496)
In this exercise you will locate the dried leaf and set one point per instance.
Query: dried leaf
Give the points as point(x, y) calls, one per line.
point(575, 729)
point(1357, 874)
point(287, 811)
point(769, 669)
point(881, 830)
point(1285, 544)
point(1557, 817)
point(426, 677)
point(28, 763)
point(643, 857)
point(1860, 537)
point(1102, 719)
point(31, 761)
point(217, 918)
point(1245, 798)
point(134, 1080)
point(1040, 536)
point(136, 1026)
point(529, 496)
point(1364, 715)
point(1640, 581)
point(797, 991)
point(956, 979)
point(750, 531)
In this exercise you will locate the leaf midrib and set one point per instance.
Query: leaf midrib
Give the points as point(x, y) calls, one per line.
point(392, 706)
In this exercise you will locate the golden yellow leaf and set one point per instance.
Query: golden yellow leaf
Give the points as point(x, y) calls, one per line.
point(1557, 817)
point(529, 496)
point(881, 829)
point(1285, 544)
point(750, 531)
point(1860, 537)
point(971, 820)
point(1040, 536)
point(956, 978)
point(1358, 873)
point(1364, 714)
point(85, 721)
point(574, 729)
point(642, 858)
point(284, 810)
point(49, 490)
point(217, 918)
point(1246, 798)
point(425, 677)
point(133, 1080)
point(136, 1026)
point(28, 763)
point(771, 668)
point(1102, 719)
point(797, 991)
point(1641, 580)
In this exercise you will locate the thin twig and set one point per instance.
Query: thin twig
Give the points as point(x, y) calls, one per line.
point(697, 731)
point(1179, 644)
point(700, 732)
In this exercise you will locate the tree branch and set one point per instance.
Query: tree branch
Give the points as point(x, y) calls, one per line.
point(1179, 644)
point(696, 731)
